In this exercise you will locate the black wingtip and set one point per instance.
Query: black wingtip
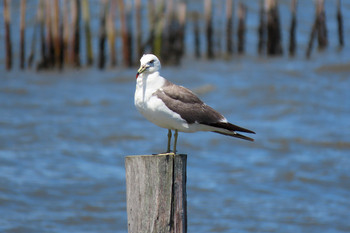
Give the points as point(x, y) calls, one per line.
point(236, 135)
point(231, 127)
point(239, 129)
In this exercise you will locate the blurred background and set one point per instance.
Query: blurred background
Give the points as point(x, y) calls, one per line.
point(67, 117)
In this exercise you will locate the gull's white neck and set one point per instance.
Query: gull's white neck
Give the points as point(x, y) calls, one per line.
point(147, 84)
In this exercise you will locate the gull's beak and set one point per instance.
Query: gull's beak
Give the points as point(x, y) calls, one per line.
point(141, 70)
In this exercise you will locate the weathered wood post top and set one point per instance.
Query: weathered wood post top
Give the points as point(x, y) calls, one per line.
point(156, 193)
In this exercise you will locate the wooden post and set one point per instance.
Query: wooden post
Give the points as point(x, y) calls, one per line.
point(102, 34)
point(229, 27)
point(318, 29)
point(56, 32)
point(22, 33)
point(151, 22)
point(75, 8)
point(125, 24)
point(49, 41)
point(292, 41)
point(311, 40)
point(274, 38)
point(88, 41)
point(321, 29)
point(43, 45)
point(340, 24)
point(242, 13)
point(219, 27)
point(181, 9)
point(196, 36)
point(159, 23)
point(33, 42)
point(156, 193)
point(111, 32)
point(262, 29)
point(209, 28)
point(165, 34)
point(139, 49)
point(66, 33)
point(7, 19)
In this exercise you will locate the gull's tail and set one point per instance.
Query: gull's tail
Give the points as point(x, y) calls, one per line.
point(229, 129)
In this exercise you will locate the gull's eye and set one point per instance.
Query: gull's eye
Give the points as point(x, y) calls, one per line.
point(152, 61)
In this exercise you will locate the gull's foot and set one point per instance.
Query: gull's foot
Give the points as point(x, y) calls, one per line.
point(166, 153)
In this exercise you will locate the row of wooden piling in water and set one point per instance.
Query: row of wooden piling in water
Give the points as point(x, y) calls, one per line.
point(62, 25)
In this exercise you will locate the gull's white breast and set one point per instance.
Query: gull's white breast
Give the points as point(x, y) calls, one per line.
point(153, 108)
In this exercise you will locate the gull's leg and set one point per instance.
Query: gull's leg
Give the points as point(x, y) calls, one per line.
point(175, 141)
point(169, 140)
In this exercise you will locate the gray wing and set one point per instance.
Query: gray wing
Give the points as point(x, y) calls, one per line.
point(183, 101)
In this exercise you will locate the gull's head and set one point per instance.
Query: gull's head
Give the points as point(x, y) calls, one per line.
point(149, 64)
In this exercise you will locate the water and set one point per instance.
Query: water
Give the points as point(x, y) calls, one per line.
point(63, 138)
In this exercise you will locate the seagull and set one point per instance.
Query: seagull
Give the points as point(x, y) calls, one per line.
point(175, 107)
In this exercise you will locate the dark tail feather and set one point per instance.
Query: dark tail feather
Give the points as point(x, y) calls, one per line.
point(231, 127)
point(236, 135)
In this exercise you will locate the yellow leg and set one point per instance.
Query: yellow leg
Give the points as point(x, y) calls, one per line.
point(175, 141)
point(169, 140)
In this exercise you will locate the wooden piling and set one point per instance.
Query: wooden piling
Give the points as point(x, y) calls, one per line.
point(139, 49)
point(8, 43)
point(87, 29)
point(76, 9)
point(311, 40)
point(102, 35)
point(129, 31)
point(173, 29)
point(65, 33)
point(262, 29)
point(151, 22)
point(182, 9)
point(242, 12)
point(218, 27)
point(340, 25)
point(229, 27)
point(318, 29)
point(22, 33)
point(50, 53)
point(196, 37)
point(156, 193)
point(43, 46)
point(292, 40)
point(274, 39)
point(57, 26)
point(56, 35)
point(209, 28)
point(61, 44)
point(125, 24)
point(31, 56)
point(111, 32)
point(165, 33)
point(158, 28)
point(322, 34)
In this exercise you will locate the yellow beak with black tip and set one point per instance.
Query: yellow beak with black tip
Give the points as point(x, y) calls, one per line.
point(141, 70)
